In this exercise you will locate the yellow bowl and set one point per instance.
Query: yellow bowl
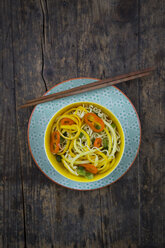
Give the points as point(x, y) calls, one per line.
point(60, 167)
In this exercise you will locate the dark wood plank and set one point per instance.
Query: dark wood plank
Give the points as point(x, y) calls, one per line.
point(78, 213)
point(101, 52)
point(11, 189)
point(108, 45)
point(28, 60)
point(54, 215)
point(152, 110)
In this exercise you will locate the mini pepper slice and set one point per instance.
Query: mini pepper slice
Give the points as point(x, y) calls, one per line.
point(93, 120)
point(55, 142)
point(97, 142)
point(67, 121)
point(90, 167)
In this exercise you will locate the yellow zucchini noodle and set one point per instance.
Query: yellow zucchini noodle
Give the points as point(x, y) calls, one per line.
point(88, 143)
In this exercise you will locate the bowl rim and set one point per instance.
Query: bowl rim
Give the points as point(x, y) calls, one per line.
point(70, 187)
point(87, 103)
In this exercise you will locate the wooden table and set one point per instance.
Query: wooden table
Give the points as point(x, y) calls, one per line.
point(43, 42)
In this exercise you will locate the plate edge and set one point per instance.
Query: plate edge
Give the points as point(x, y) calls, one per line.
point(75, 188)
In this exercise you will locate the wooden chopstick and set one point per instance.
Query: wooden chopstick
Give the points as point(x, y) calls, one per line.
point(91, 86)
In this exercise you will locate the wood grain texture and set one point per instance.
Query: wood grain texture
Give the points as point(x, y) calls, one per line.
point(29, 82)
point(75, 212)
point(42, 43)
point(12, 229)
point(152, 156)
point(108, 50)
point(114, 48)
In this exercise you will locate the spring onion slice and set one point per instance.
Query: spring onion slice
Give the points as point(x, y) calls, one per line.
point(109, 140)
point(81, 155)
point(103, 165)
point(109, 165)
point(69, 169)
point(71, 148)
point(82, 162)
point(114, 138)
point(93, 161)
point(75, 143)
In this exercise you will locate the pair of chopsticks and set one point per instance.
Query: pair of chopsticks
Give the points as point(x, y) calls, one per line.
point(91, 86)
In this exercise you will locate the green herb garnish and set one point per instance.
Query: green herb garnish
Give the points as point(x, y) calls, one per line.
point(89, 175)
point(81, 171)
point(81, 134)
point(58, 158)
point(113, 125)
point(97, 126)
point(61, 139)
point(105, 143)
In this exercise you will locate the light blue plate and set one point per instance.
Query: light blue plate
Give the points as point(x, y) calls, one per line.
point(111, 98)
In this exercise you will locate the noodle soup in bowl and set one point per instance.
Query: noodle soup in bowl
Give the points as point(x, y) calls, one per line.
point(84, 141)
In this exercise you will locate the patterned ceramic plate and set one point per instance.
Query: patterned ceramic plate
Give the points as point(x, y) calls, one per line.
point(110, 97)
